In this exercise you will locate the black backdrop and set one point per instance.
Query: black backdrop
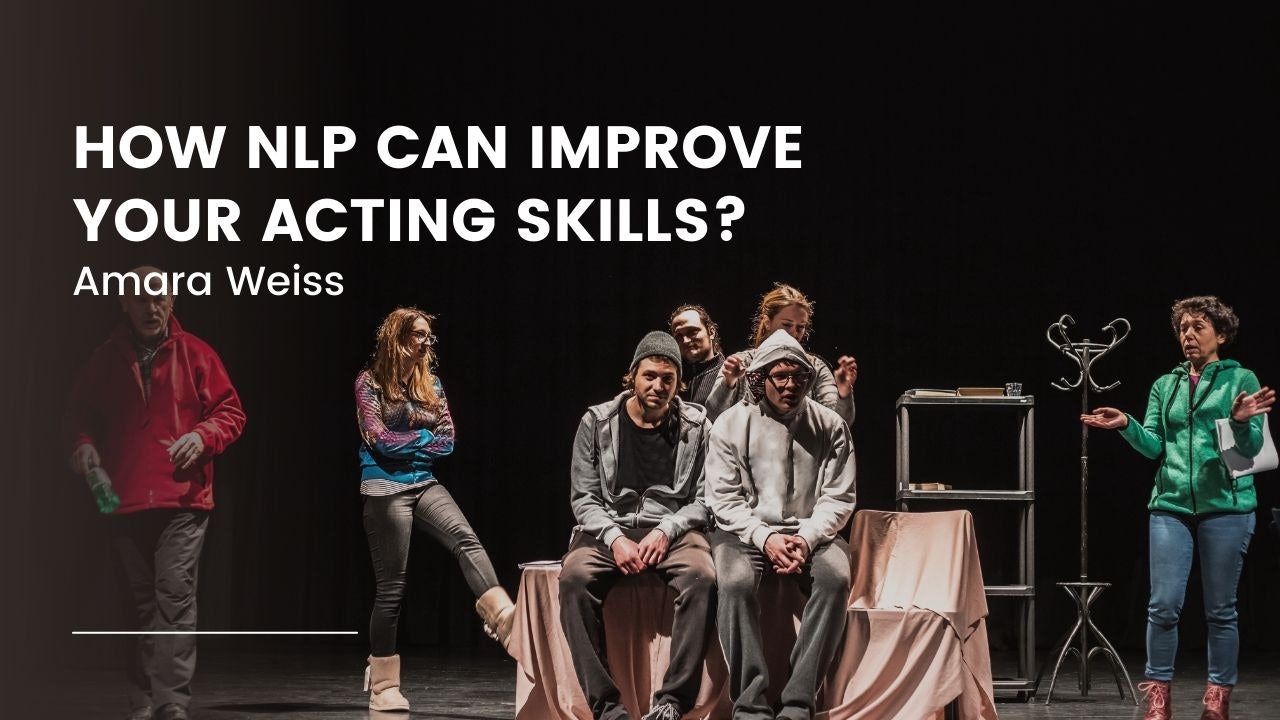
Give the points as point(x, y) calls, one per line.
point(965, 181)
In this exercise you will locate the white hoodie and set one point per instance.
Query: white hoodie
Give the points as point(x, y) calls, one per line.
point(766, 472)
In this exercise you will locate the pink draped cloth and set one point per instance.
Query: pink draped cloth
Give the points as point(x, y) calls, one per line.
point(637, 619)
point(916, 637)
point(917, 633)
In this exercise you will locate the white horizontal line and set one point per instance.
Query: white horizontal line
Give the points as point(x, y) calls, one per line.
point(215, 632)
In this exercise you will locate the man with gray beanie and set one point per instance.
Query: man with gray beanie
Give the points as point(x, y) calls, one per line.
point(780, 484)
point(637, 496)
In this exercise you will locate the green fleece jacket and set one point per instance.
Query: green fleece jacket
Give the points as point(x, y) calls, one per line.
point(1180, 424)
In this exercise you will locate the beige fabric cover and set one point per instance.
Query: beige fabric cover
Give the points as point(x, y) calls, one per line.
point(917, 634)
point(916, 639)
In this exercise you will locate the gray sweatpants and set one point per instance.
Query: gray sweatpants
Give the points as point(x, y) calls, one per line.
point(825, 580)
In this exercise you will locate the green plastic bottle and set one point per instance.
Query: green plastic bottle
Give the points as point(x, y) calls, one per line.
point(103, 493)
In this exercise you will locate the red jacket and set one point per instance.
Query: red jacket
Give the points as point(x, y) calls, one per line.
point(190, 391)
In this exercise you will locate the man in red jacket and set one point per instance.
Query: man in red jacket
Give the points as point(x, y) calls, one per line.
point(151, 409)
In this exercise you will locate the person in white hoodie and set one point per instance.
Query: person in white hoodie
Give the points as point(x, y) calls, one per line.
point(780, 485)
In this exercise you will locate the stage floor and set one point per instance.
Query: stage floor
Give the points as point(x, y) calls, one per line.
point(297, 679)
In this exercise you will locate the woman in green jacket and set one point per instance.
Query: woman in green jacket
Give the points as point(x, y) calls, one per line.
point(1195, 501)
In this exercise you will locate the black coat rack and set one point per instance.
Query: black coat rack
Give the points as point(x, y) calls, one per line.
point(1085, 591)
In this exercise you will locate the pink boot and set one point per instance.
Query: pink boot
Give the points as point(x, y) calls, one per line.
point(1216, 699)
point(1156, 695)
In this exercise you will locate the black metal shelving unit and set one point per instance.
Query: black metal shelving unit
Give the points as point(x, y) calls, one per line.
point(1022, 500)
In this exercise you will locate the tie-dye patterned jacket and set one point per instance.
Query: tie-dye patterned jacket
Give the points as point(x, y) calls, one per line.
point(401, 440)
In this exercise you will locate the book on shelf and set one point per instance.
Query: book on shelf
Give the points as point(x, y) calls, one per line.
point(958, 392)
point(980, 391)
point(929, 486)
point(931, 392)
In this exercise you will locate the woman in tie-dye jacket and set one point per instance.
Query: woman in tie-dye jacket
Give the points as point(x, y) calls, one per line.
point(405, 425)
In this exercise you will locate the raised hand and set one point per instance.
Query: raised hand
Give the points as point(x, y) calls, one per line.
point(1246, 406)
point(846, 374)
point(732, 370)
point(1107, 418)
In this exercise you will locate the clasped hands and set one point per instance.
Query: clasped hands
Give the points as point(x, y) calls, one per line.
point(788, 553)
point(633, 557)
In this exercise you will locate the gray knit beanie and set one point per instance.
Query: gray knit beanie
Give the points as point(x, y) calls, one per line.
point(657, 343)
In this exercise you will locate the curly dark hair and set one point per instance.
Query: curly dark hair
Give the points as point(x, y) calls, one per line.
point(713, 329)
point(1218, 313)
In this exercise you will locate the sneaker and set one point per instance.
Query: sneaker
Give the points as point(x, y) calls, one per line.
point(171, 711)
point(665, 711)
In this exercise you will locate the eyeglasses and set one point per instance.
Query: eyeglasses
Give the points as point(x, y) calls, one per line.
point(421, 336)
point(783, 379)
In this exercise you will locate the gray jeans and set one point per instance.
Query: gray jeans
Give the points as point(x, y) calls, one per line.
point(389, 521)
point(825, 580)
point(158, 553)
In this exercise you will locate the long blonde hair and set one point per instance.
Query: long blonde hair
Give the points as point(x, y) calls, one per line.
point(391, 360)
point(773, 302)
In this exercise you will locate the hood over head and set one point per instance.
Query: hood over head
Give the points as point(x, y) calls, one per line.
point(779, 346)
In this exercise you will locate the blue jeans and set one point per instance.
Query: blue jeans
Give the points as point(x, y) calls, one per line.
point(1223, 539)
